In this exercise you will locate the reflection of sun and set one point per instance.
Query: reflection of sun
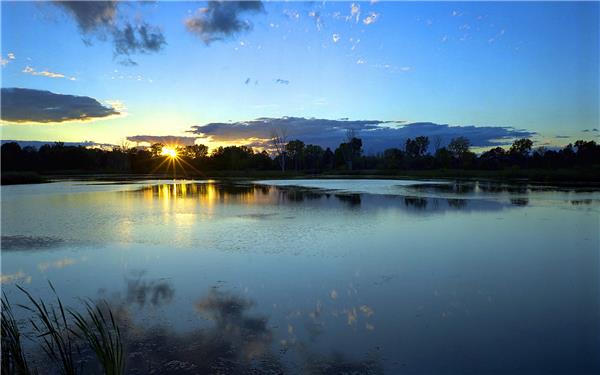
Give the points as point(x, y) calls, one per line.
point(170, 152)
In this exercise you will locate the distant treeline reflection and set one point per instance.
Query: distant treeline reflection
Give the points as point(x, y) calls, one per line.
point(255, 194)
point(414, 154)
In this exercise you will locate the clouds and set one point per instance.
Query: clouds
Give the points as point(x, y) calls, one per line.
point(38, 106)
point(282, 81)
point(100, 18)
point(222, 19)
point(171, 140)
point(91, 15)
point(377, 135)
point(141, 38)
point(371, 18)
point(45, 73)
point(9, 57)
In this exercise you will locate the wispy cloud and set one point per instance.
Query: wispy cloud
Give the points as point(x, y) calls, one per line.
point(336, 38)
point(317, 16)
point(371, 18)
point(221, 20)
point(9, 57)
point(282, 81)
point(46, 73)
point(291, 14)
point(171, 140)
point(141, 38)
point(354, 12)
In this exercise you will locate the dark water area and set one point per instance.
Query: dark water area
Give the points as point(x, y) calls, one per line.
point(319, 276)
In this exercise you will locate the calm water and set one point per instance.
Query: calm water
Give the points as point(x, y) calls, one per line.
point(352, 276)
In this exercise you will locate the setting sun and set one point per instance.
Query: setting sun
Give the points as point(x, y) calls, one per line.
point(170, 152)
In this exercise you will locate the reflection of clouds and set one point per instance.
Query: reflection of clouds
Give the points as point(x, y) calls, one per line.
point(15, 277)
point(336, 363)
point(29, 242)
point(61, 263)
point(140, 291)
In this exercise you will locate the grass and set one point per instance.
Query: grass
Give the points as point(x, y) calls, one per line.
point(53, 328)
point(13, 357)
point(103, 336)
point(61, 332)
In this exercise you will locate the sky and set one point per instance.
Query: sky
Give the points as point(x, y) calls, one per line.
point(231, 72)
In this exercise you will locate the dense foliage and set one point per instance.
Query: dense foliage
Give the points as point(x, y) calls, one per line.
point(414, 155)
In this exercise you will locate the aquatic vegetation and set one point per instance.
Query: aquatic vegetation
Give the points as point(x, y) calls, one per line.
point(61, 333)
point(102, 334)
point(14, 360)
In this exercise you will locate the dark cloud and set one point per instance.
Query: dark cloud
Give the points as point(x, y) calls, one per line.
point(100, 18)
point(377, 135)
point(91, 15)
point(247, 81)
point(38, 144)
point(221, 19)
point(589, 130)
point(28, 105)
point(142, 38)
point(282, 81)
point(562, 136)
point(165, 139)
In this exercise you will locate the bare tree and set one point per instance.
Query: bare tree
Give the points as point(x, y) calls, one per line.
point(279, 141)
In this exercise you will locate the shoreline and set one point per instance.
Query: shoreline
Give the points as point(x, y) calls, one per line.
point(565, 177)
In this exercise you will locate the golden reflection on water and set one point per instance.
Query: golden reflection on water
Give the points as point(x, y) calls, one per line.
point(181, 205)
point(207, 194)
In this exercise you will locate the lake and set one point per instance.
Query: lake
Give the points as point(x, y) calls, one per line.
point(320, 276)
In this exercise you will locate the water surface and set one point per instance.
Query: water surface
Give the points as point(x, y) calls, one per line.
point(321, 276)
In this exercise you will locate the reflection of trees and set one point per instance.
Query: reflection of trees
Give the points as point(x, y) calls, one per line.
point(457, 203)
point(418, 203)
point(519, 201)
point(578, 202)
point(457, 188)
point(352, 200)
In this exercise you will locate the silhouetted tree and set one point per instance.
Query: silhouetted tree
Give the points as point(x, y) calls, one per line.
point(295, 152)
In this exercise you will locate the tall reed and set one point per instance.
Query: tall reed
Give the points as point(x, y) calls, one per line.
point(14, 360)
point(102, 334)
point(52, 327)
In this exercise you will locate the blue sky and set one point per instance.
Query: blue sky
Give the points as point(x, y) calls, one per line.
point(531, 66)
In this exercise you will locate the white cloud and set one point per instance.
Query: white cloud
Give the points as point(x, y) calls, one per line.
point(354, 12)
point(336, 38)
point(4, 61)
point(44, 73)
point(360, 61)
point(371, 18)
point(292, 14)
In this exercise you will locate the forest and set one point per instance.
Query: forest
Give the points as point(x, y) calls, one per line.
point(295, 156)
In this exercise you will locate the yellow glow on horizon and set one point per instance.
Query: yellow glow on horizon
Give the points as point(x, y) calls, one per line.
point(170, 152)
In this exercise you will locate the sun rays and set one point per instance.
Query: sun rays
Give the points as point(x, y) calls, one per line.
point(174, 161)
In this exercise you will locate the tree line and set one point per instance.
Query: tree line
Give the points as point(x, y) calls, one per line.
point(295, 155)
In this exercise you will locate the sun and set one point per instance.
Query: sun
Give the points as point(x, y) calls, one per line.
point(170, 152)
